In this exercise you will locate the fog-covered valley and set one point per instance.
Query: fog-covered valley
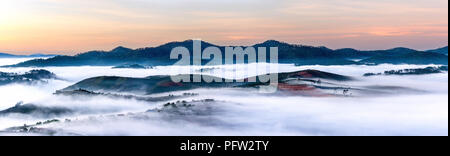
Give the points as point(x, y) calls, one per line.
point(376, 105)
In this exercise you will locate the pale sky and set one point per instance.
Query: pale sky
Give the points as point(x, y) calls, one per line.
point(74, 26)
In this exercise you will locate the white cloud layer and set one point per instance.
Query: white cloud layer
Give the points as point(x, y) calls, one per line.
point(245, 112)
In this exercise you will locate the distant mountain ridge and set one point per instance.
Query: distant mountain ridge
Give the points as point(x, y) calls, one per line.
point(288, 53)
point(6, 55)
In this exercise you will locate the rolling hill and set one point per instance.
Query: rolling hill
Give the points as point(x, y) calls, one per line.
point(163, 84)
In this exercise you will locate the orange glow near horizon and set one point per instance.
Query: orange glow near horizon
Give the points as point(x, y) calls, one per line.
point(75, 26)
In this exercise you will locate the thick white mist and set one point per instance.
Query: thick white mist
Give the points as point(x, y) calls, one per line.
point(11, 61)
point(245, 112)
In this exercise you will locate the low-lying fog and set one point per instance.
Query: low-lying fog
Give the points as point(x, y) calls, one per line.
point(242, 112)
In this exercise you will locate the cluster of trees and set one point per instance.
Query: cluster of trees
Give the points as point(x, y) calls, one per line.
point(419, 71)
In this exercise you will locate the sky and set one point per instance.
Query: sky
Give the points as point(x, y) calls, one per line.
point(75, 26)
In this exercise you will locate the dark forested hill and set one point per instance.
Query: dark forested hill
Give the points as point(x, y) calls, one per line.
point(443, 50)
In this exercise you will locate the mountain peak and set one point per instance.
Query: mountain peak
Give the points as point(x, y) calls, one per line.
point(272, 43)
point(121, 49)
point(186, 43)
point(401, 48)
